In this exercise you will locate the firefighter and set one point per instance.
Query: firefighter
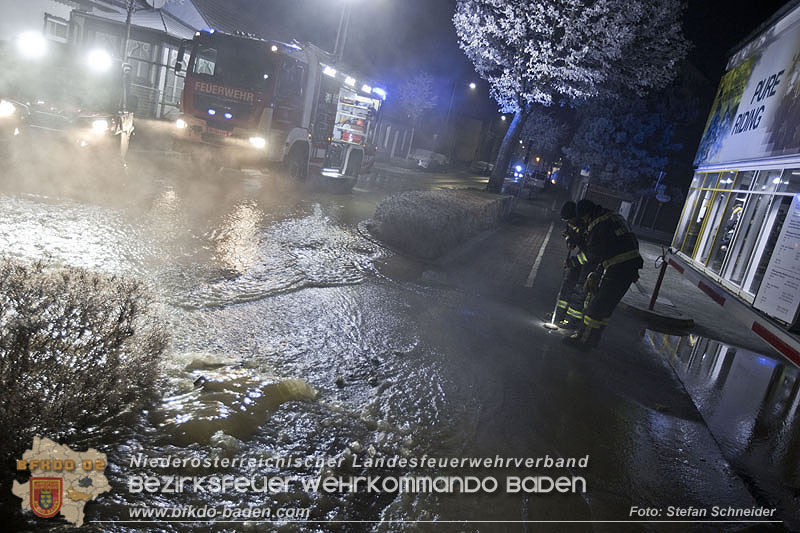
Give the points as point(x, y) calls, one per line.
point(613, 265)
point(569, 307)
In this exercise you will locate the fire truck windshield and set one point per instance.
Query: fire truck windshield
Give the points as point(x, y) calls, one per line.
point(233, 61)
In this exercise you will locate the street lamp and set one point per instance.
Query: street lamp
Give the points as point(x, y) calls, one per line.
point(472, 87)
point(31, 44)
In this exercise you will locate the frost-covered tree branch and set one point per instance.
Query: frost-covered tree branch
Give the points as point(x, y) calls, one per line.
point(567, 52)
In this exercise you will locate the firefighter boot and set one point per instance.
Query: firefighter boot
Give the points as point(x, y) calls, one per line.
point(576, 339)
point(561, 312)
point(573, 320)
point(584, 339)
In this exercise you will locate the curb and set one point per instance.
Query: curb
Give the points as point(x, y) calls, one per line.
point(658, 320)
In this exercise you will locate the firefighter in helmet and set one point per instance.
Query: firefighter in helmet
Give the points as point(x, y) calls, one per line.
point(613, 265)
point(569, 308)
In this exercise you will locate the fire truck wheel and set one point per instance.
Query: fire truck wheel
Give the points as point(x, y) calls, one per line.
point(354, 164)
point(297, 164)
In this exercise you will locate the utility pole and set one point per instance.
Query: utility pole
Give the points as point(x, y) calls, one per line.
point(450, 136)
point(130, 7)
point(341, 32)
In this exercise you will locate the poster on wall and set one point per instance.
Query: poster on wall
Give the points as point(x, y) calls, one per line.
point(757, 106)
point(779, 294)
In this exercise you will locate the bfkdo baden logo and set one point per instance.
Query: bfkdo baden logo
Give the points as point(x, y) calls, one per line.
point(62, 480)
point(46, 494)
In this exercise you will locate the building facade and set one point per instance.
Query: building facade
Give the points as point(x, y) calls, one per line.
point(155, 36)
point(740, 224)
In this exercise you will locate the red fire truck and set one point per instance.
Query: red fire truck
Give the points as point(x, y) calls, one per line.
point(252, 101)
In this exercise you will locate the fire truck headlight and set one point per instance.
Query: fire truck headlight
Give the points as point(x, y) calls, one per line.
point(99, 60)
point(258, 142)
point(100, 125)
point(181, 124)
point(6, 108)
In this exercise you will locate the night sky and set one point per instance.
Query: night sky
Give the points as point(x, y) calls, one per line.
point(390, 40)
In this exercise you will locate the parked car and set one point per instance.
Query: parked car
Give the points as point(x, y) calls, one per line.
point(429, 160)
point(481, 166)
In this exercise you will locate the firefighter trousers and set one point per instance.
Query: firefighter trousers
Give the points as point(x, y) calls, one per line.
point(613, 286)
point(570, 295)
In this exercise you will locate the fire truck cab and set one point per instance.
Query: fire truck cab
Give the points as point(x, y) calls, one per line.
point(254, 102)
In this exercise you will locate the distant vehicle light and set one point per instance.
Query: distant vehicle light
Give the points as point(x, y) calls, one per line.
point(100, 125)
point(6, 108)
point(99, 60)
point(228, 116)
point(380, 92)
point(274, 48)
point(553, 181)
point(329, 71)
point(258, 142)
point(212, 112)
point(31, 44)
point(82, 143)
point(349, 80)
point(16, 132)
point(181, 124)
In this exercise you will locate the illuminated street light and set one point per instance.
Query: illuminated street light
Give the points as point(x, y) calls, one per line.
point(99, 60)
point(471, 86)
point(503, 118)
point(31, 44)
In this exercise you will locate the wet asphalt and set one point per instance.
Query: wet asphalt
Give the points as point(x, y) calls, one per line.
point(265, 281)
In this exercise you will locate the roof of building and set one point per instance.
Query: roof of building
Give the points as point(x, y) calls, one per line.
point(236, 15)
point(145, 17)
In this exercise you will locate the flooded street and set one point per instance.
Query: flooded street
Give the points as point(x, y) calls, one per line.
point(296, 348)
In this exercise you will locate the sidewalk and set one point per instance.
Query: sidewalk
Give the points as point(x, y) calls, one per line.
point(504, 263)
point(681, 306)
point(621, 403)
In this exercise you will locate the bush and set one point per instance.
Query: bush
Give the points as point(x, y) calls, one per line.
point(427, 224)
point(75, 348)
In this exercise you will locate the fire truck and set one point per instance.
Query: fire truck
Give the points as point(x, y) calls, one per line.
point(249, 101)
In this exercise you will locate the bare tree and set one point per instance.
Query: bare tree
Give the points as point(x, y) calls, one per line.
point(416, 97)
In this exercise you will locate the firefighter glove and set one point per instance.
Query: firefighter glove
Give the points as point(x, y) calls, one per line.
point(592, 282)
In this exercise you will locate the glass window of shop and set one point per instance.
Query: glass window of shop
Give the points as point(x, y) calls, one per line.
point(718, 206)
point(698, 217)
point(732, 220)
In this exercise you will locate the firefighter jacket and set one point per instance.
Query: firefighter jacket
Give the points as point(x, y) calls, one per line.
point(610, 244)
point(576, 236)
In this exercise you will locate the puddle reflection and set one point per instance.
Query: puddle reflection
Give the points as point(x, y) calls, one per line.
point(750, 403)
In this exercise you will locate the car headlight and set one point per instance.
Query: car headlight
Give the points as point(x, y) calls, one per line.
point(181, 124)
point(100, 125)
point(6, 108)
point(258, 142)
